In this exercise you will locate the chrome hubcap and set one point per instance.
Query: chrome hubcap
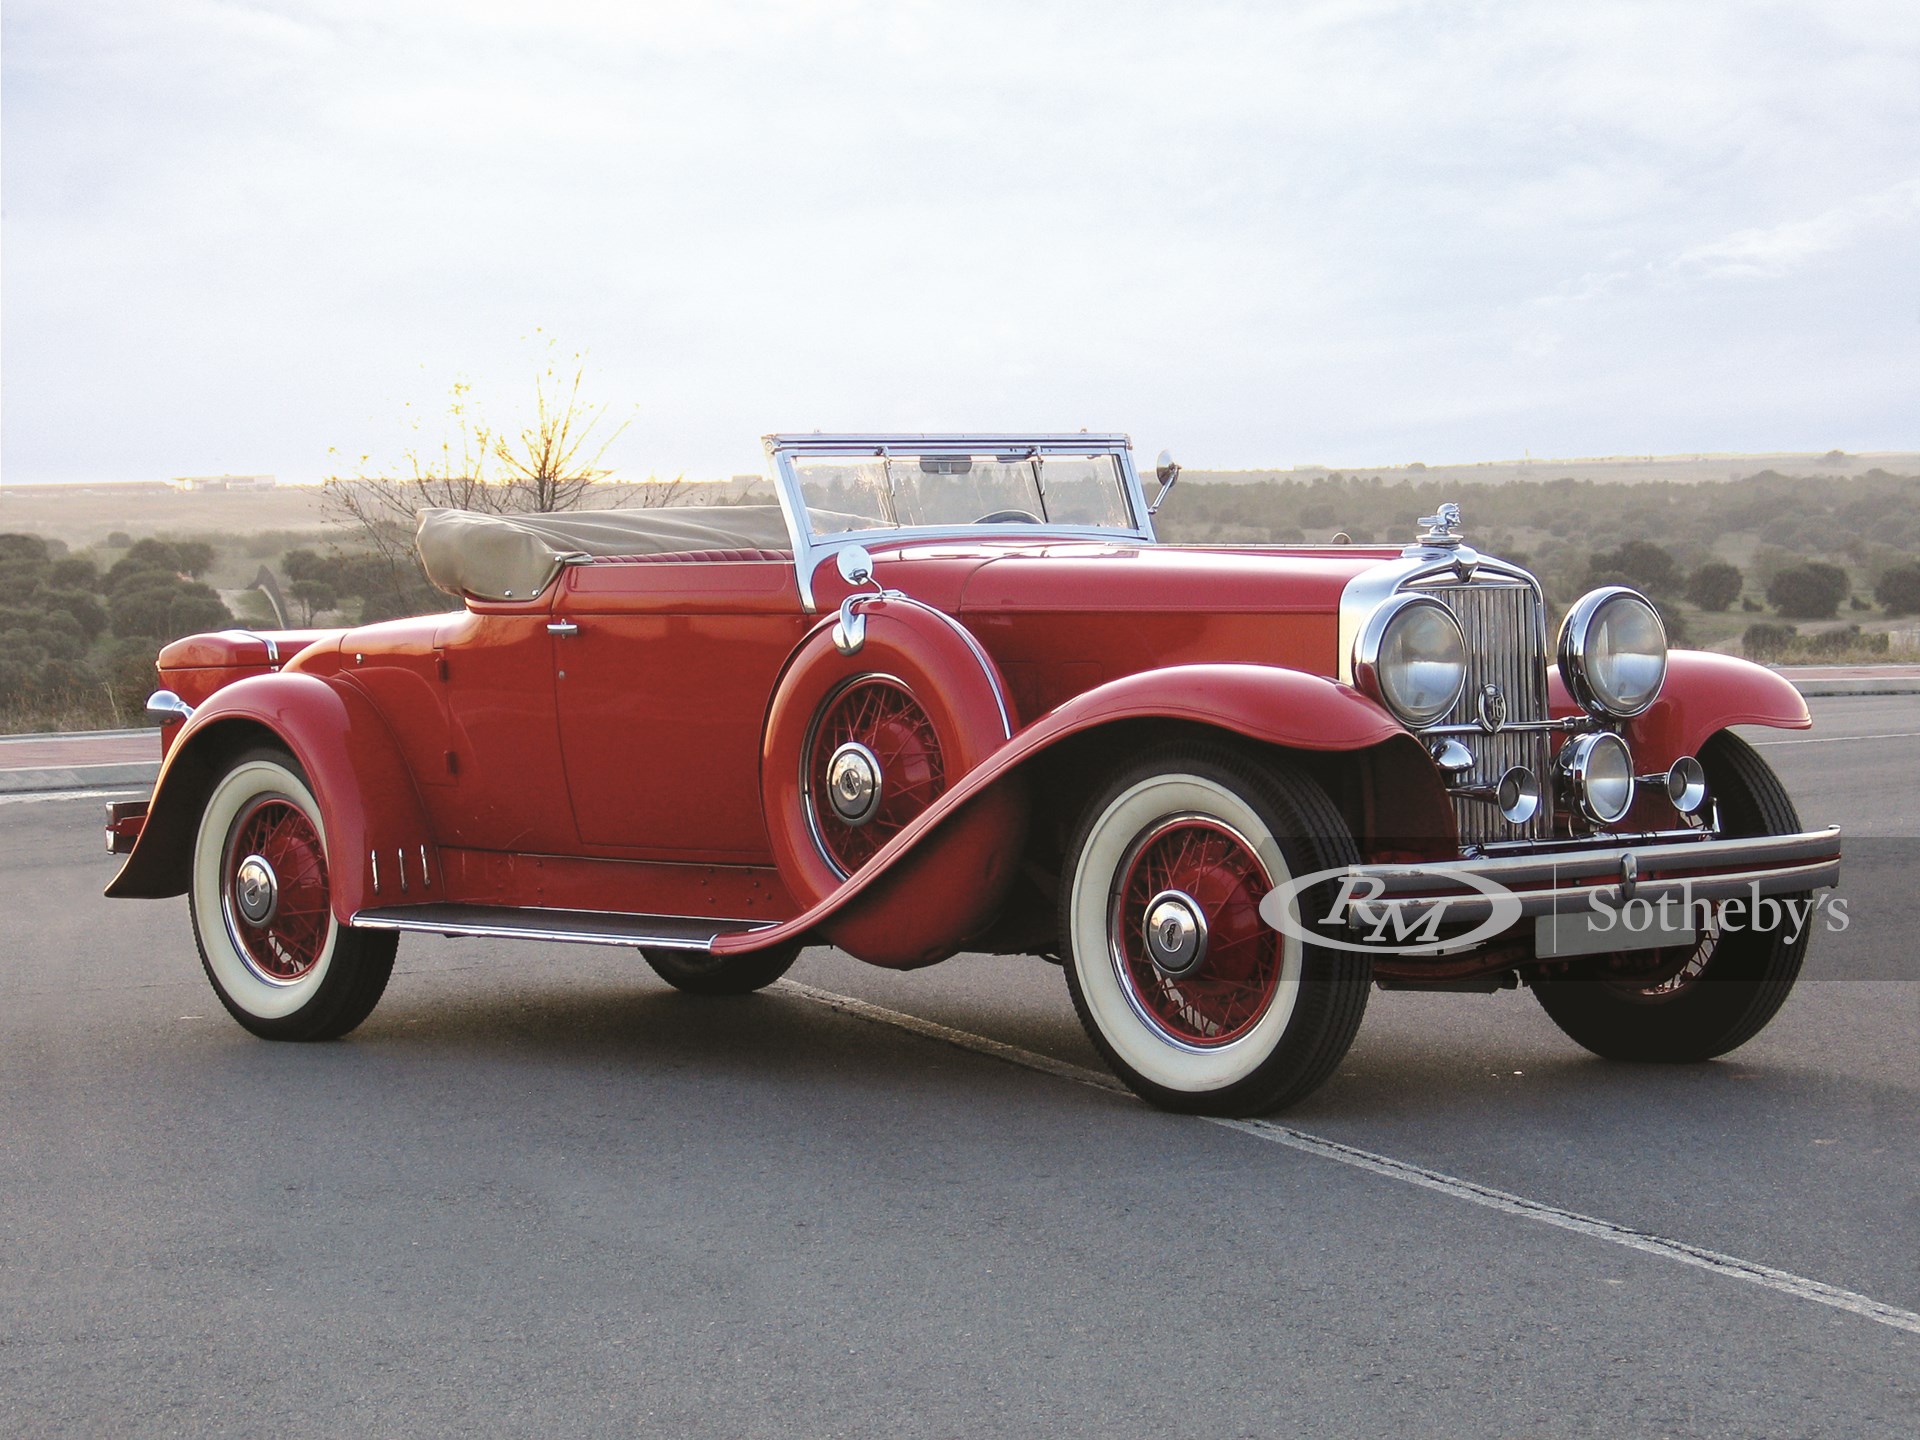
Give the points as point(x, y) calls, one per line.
point(1175, 932)
point(853, 783)
point(256, 891)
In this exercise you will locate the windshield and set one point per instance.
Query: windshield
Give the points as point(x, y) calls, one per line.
point(869, 492)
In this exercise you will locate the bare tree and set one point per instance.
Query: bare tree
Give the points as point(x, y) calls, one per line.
point(550, 464)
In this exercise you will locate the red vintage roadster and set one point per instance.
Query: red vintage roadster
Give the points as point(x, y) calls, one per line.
point(950, 695)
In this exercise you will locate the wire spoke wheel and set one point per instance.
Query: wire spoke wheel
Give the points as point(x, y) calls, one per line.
point(274, 843)
point(261, 895)
point(1193, 999)
point(894, 749)
point(1237, 975)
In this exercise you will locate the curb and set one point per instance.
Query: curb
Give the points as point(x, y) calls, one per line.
point(1816, 689)
point(80, 777)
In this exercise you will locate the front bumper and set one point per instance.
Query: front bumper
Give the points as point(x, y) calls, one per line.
point(1551, 881)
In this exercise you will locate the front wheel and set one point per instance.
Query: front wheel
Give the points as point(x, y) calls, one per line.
point(1196, 1003)
point(262, 906)
point(1732, 982)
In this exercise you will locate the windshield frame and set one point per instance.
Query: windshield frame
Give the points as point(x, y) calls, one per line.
point(811, 547)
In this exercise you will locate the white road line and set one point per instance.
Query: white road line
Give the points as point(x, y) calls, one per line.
point(1834, 739)
point(1730, 1266)
point(39, 797)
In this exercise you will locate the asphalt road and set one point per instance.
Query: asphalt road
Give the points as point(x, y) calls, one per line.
point(539, 1193)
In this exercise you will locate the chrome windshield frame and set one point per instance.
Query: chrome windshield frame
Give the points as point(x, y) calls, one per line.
point(809, 549)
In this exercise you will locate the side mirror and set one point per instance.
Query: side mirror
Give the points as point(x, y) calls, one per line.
point(1166, 470)
point(856, 565)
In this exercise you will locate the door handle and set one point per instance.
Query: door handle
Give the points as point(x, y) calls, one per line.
point(562, 627)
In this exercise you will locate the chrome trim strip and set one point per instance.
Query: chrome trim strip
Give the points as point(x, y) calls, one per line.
point(576, 927)
point(979, 653)
point(273, 647)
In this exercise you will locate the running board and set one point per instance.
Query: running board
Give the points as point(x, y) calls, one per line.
point(580, 927)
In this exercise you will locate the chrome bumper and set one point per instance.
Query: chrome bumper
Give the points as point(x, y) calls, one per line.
point(1549, 881)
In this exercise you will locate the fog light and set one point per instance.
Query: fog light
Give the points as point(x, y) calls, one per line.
point(1596, 773)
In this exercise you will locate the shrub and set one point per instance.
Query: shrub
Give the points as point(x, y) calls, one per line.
point(1714, 586)
point(1639, 563)
point(1809, 592)
point(1899, 590)
point(1766, 640)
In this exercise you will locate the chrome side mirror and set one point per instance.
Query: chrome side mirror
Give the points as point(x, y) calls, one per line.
point(856, 565)
point(1166, 470)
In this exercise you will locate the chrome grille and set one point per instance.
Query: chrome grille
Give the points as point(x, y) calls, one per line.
point(1506, 646)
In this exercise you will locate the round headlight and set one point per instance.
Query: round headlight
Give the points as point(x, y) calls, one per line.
point(1596, 771)
point(1613, 652)
point(1412, 658)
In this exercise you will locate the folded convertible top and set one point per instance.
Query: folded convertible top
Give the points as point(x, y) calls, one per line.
point(514, 557)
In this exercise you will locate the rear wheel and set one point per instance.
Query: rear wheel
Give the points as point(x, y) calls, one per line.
point(722, 974)
point(262, 908)
point(1190, 996)
point(1732, 983)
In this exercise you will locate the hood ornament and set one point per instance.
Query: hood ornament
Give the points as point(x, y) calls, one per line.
point(1442, 529)
point(1442, 538)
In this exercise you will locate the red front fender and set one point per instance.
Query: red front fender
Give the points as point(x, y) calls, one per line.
point(368, 803)
point(1704, 694)
point(1260, 702)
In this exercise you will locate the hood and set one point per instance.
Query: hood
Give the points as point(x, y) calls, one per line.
point(1167, 578)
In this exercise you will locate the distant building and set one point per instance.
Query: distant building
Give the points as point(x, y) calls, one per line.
point(239, 483)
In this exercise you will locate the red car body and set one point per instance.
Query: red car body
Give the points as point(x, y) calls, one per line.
point(619, 757)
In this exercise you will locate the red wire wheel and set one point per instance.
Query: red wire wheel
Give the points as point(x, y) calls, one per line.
point(273, 889)
point(1202, 881)
point(876, 731)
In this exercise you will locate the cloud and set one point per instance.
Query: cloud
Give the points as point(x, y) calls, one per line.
point(1773, 251)
point(248, 232)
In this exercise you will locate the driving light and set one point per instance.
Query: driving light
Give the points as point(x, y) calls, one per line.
point(1613, 652)
point(1412, 658)
point(1596, 775)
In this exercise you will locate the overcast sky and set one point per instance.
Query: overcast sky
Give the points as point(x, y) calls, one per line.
point(1361, 232)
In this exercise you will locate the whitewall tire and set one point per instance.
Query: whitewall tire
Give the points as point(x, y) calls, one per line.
point(261, 902)
point(1192, 999)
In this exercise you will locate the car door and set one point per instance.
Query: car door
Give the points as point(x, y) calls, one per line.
point(662, 673)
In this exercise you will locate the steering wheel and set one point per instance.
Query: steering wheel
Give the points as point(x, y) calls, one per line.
point(1009, 517)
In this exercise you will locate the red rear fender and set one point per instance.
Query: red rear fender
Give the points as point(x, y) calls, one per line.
point(368, 802)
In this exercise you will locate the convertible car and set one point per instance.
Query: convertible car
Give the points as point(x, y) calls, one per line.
point(950, 696)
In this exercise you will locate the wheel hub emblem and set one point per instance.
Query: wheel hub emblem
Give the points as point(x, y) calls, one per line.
point(1493, 709)
point(256, 891)
point(1176, 933)
point(853, 783)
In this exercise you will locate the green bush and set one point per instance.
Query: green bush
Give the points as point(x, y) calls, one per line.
point(1809, 592)
point(1898, 590)
point(1714, 585)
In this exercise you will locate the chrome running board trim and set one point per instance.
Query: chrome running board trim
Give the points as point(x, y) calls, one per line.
point(578, 927)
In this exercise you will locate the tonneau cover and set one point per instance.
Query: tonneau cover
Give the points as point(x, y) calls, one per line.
point(514, 557)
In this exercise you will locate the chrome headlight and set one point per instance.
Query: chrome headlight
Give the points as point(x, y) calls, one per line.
point(1596, 774)
point(1412, 658)
point(1613, 652)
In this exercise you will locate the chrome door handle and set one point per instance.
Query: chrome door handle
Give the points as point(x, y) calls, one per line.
point(562, 627)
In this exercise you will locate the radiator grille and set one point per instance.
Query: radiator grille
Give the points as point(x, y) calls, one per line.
point(1506, 646)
